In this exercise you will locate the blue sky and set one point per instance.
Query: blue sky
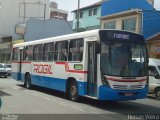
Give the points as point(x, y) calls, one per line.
point(71, 5)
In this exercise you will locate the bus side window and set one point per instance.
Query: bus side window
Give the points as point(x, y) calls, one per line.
point(61, 51)
point(38, 52)
point(76, 50)
point(48, 52)
point(28, 53)
point(15, 54)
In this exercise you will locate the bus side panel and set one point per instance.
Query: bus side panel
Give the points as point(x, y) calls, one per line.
point(26, 68)
point(43, 74)
point(15, 71)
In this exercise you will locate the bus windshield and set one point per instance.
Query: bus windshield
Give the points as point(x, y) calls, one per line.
point(123, 59)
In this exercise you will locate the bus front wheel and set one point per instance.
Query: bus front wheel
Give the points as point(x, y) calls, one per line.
point(27, 82)
point(73, 91)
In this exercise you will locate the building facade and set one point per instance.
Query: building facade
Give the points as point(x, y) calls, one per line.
point(13, 16)
point(136, 16)
point(57, 13)
point(40, 29)
point(153, 44)
point(88, 17)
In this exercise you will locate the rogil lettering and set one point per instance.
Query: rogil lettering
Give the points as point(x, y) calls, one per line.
point(44, 69)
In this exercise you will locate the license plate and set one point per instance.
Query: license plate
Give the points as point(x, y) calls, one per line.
point(128, 94)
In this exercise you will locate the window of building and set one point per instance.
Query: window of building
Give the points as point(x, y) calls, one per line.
point(38, 52)
point(48, 52)
point(95, 11)
point(90, 12)
point(15, 54)
point(76, 50)
point(76, 15)
point(81, 15)
point(28, 53)
point(110, 25)
point(61, 51)
point(129, 24)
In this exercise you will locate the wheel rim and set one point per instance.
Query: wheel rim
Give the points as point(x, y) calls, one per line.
point(73, 92)
point(158, 94)
point(27, 81)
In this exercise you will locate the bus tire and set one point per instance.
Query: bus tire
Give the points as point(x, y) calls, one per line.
point(73, 91)
point(157, 93)
point(27, 82)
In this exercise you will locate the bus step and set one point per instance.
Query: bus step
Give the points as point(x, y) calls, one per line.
point(91, 97)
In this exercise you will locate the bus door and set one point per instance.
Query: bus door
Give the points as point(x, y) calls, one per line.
point(20, 64)
point(92, 70)
point(16, 63)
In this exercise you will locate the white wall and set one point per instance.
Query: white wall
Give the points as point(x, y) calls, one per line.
point(11, 10)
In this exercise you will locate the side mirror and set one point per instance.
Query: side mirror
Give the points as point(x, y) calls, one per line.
point(156, 75)
point(151, 74)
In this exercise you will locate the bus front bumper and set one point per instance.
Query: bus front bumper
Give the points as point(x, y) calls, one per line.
point(107, 93)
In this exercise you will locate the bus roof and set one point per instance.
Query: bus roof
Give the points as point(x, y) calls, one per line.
point(85, 34)
point(59, 38)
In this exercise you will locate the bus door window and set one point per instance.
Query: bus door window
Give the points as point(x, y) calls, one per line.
point(61, 51)
point(76, 50)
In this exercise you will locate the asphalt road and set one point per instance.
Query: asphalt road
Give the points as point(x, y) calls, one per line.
point(40, 103)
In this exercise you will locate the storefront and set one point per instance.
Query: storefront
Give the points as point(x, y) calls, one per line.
point(5, 49)
point(153, 44)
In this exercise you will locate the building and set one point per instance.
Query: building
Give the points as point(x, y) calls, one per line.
point(39, 29)
point(136, 16)
point(88, 17)
point(153, 44)
point(57, 13)
point(132, 15)
point(13, 16)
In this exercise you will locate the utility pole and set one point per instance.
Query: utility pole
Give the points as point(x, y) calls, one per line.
point(78, 15)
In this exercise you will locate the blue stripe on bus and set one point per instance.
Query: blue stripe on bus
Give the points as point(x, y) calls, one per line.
point(16, 76)
point(106, 93)
point(50, 82)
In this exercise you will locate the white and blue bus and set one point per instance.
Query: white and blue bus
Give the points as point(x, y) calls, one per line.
point(100, 64)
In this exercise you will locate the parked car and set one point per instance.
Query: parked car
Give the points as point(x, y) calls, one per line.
point(154, 77)
point(8, 69)
point(3, 71)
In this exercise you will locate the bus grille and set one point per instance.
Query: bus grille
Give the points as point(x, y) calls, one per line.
point(125, 87)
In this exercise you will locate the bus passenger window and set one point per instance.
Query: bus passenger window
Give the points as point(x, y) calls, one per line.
point(15, 54)
point(76, 50)
point(28, 53)
point(48, 52)
point(61, 51)
point(38, 52)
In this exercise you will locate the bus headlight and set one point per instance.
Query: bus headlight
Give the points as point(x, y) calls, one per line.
point(105, 81)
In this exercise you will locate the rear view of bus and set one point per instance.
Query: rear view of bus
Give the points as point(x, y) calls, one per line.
point(123, 65)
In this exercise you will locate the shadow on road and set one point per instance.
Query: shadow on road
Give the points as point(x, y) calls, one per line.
point(119, 107)
point(2, 93)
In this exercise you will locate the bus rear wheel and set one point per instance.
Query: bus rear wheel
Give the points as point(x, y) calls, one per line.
point(73, 91)
point(27, 82)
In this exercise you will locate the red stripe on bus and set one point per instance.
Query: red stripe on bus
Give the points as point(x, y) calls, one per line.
point(26, 62)
point(77, 71)
point(61, 63)
point(120, 80)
